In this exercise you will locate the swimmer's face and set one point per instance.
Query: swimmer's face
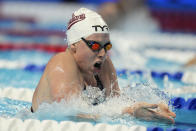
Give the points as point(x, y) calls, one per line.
point(88, 60)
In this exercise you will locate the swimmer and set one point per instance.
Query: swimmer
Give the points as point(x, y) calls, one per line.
point(86, 64)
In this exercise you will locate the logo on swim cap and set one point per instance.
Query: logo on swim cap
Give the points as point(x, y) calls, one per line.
point(83, 23)
point(100, 27)
point(75, 19)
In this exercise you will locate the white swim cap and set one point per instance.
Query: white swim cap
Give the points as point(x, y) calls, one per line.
point(83, 23)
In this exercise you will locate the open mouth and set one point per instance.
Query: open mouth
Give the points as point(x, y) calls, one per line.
point(97, 65)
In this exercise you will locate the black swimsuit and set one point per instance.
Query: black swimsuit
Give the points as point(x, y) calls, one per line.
point(99, 85)
point(32, 109)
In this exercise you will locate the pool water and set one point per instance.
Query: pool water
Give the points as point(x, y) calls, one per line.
point(135, 87)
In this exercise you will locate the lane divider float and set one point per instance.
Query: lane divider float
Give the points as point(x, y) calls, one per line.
point(33, 46)
point(52, 125)
point(35, 32)
point(22, 94)
point(181, 103)
point(24, 19)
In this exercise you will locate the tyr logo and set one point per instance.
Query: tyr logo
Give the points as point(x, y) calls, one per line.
point(105, 27)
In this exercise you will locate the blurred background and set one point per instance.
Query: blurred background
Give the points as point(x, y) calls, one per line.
point(32, 18)
point(126, 15)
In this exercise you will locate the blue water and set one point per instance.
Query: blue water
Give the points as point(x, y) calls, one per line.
point(18, 78)
point(140, 87)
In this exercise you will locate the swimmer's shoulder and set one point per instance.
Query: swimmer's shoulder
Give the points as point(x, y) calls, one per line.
point(63, 60)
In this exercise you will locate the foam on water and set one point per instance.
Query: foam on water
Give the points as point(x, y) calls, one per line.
point(109, 111)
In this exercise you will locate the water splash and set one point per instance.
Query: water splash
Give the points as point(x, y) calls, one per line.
point(134, 88)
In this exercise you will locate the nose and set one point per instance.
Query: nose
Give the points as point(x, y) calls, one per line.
point(102, 54)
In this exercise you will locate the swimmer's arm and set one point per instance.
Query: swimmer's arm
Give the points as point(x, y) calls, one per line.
point(63, 84)
point(62, 90)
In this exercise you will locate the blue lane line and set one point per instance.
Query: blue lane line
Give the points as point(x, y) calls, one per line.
point(174, 129)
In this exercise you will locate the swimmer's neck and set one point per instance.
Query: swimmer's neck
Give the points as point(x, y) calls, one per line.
point(90, 80)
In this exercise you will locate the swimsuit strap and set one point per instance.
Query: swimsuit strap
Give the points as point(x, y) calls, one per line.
point(32, 109)
point(99, 83)
point(84, 87)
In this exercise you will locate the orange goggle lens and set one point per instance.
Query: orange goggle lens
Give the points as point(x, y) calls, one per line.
point(108, 47)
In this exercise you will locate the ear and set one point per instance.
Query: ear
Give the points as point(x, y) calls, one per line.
point(73, 48)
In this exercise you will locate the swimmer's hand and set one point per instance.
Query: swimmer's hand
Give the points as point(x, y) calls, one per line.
point(151, 112)
point(88, 116)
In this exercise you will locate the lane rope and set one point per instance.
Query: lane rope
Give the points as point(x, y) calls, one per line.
point(35, 32)
point(33, 46)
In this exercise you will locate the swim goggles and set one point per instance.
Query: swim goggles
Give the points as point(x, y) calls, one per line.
point(96, 46)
